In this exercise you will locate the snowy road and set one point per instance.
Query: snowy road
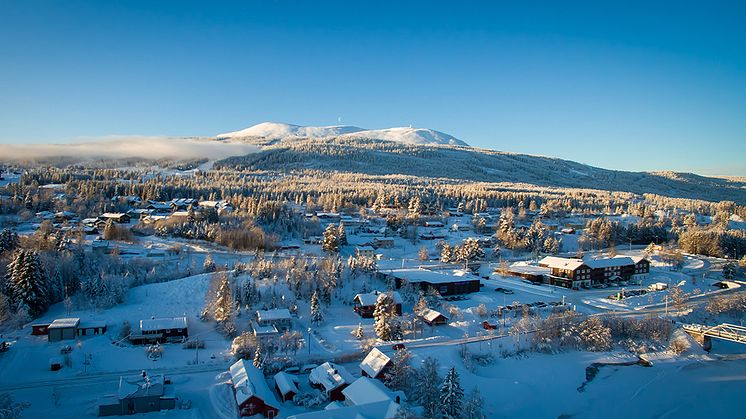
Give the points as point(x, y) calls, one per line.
point(107, 377)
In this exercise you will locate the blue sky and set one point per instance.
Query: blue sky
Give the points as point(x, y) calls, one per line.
point(623, 85)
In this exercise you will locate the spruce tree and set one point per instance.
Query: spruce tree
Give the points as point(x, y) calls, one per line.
point(341, 234)
point(427, 391)
point(223, 306)
point(387, 324)
point(316, 315)
point(28, 282)
point(330, 243)
point(358, 332)
point(259, 357)
point(451, 396)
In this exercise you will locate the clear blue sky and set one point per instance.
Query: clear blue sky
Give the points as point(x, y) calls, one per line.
point(620, 85)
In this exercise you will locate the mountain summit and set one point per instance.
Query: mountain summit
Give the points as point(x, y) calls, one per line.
point(404, 135)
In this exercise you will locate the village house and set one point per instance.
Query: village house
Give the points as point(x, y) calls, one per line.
point(574, 273)
point(365, 303)
point(365, 251)
point(331, 379)
point(286, 385)
point(375, 364)
point(365, 390)
point(432, 317)
point(383, 243)
point(117, 217)
point(182, 204)
point(221, 207)
point(139, 394)
point(280, 318)
point(159, 207)
point(434, 224)
point(167, 329)
point(424, 279)
point(252, 394)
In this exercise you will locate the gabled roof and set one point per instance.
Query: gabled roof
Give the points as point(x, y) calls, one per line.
point(273, 314)
point(561, 263)
point(379, 410)
point(370, 298)
point(610, 262)
point(416, 275)
point(286, 383)
point(330, 376)
point(164, 323)
point(375, 362)
point(140, 386)
point(248, 381)
point(430, 314)
point(368, 390)
point(64, 323)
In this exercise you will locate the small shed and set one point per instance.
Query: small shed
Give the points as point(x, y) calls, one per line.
point(63, 329)
point(433, 317)
point(286, 385)
point(39, 329)
point(55, 363)
point(91, 328)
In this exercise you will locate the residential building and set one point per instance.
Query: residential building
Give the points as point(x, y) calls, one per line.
point(252, 394)
point(139, 394)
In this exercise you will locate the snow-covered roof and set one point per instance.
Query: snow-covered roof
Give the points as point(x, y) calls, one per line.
point(267, 330)
point(374, 362)
point(90, 324)
point(330, 376)
point(379, 410)
point(64, 323)
point(369, 390)
point(415, 275)
point(164, 323)
point(365, 248)
point(430, 314)
point(286, 383)
point(140, 386)
point(561, 263)
point(610, 262)
point(370, 298)
point(248, 381)
point(522, 267)
point(638, 259)
point(113, 214)
point(273, 314)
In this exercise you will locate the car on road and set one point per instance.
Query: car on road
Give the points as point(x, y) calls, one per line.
point(398, 347)
point(504, 290)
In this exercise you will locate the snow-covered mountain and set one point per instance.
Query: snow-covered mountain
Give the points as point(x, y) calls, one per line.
point(280, 131)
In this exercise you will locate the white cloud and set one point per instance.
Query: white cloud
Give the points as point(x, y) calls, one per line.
point(114, 147)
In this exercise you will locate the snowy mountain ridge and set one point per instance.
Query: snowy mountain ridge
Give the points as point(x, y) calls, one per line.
point(281, 131)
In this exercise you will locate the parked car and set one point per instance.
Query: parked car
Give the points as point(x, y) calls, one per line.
point(398, 347)
point(489, 326)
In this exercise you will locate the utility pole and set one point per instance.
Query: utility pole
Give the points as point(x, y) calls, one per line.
point(309, 341)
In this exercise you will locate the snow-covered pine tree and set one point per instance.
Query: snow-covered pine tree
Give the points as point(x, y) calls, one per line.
point(259, 357)
point(451, 396)
point(208, 265)
point(427, 391)
point(316, 315)
point(223, 306)
point(399, 376)
point(358, 332)
point(421, 304)
point(387, 324)
point(341, 234)
point(28, 282)
point(474, 405)
point(330, 242)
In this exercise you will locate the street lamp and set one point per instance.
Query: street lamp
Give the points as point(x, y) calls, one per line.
point(309, 341)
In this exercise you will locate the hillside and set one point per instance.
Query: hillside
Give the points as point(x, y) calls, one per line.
point(375, 157)
point(271, 132)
